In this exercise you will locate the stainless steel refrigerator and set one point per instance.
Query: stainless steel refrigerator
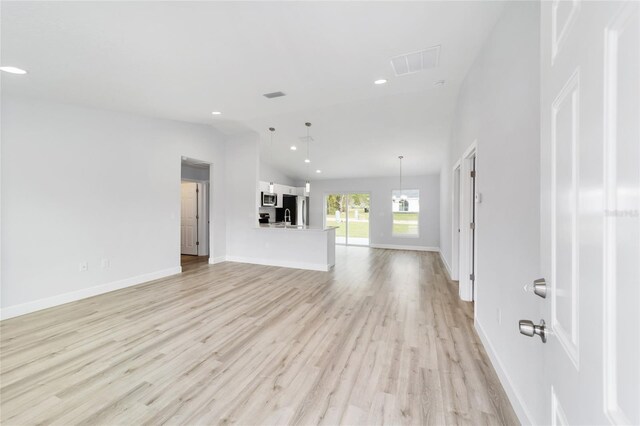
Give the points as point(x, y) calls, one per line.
point(302, 211)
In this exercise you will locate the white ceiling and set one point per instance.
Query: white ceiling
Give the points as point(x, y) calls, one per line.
point(182, 60)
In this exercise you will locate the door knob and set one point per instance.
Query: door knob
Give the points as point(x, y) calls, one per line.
point(528, 328)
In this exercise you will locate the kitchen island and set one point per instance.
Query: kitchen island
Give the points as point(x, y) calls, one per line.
point(289, 227)
point(291, 246)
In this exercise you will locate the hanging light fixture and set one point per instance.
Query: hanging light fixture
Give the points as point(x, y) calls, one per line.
point(402, 195)
point(308, 157)
point(272, 130)
point(307, 185)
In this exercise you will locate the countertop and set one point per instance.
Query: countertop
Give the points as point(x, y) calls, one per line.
point(282, 227)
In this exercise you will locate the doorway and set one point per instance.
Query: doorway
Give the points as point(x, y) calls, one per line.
point(194, 213)
point(349, 212)
point(472, 225)
point(189, 218)
point(467, 267)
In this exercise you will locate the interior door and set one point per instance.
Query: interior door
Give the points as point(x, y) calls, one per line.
point(472, 232)
point(590, 246)
point(189, 218)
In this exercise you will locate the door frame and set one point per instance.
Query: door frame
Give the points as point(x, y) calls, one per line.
point(346, 230)
point(466, 288)
point(187, 188)
point(208, 193)
point(455, 222)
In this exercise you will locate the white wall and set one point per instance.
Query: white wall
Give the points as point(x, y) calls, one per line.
point(268, 173)
point(381, 218)
point(243, 198)
point(498, 106)
point(446, 195)
point(82, 185)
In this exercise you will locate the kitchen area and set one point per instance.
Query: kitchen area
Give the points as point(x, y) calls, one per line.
point(285, 231)
point(283, 205)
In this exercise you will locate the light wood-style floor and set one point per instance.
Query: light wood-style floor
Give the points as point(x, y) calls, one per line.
point(382, 338)
point(189, 262)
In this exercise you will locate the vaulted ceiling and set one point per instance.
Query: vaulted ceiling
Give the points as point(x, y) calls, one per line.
point(183, 60)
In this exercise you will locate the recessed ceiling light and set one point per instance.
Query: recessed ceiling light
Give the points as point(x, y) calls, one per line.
point(381, 81)
point(439, 83)
point(13, 70)
point(293, 147)
point(216, 113)
point(306, 160)
point(318, 171)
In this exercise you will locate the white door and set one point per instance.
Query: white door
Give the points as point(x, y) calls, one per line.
point(472, 230)
point(189, 219)
point(590, 245)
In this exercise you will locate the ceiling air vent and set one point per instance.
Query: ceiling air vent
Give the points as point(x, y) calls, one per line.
point(416, 61)
point(273, 95)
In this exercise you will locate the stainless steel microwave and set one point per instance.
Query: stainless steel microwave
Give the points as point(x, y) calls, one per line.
point(269, 199)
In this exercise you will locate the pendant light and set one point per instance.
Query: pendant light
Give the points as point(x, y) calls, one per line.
point(402, 195)
point(271, 185)
point(307, 185)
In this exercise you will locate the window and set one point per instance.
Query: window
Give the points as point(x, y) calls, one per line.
point(406, 212)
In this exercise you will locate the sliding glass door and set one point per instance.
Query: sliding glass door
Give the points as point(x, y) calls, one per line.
point(336, 207)
point(358, 219)
point(350, 213)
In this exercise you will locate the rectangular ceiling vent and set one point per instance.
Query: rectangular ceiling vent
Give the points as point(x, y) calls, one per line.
point(273, 95)
point(413, 62)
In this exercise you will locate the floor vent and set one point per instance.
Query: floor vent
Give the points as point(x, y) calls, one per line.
point(414, 62)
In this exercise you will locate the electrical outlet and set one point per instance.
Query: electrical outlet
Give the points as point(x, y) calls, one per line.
point(84, 266)
point(499, 316)
point(106, 263)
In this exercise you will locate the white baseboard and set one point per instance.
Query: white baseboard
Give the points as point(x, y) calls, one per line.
point(219, 259)
point(282, 264)
point(403, 247)
point(61, 299)
point(446, 265)
point(515, 398)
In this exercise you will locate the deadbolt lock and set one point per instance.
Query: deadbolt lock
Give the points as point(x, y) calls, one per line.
point(540, 288)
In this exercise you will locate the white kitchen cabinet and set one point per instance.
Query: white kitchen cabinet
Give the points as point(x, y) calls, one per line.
point(263, 186)
point(279, 190)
